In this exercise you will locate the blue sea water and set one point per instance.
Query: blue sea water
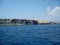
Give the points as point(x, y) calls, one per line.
point(30, 35)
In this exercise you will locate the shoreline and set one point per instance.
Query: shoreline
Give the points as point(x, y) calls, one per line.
point(9, 24)
point(24, 22)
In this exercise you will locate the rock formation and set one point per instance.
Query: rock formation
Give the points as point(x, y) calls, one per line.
point(23, 22)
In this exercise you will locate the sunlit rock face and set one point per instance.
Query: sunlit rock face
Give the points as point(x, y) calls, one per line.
point(24, 21)
point(43, 21)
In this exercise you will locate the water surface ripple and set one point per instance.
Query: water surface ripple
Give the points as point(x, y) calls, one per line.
point(30, 35)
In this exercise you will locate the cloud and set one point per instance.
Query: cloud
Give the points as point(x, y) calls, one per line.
point(53, 12)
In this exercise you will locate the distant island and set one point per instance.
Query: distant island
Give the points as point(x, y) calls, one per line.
point(23, 22)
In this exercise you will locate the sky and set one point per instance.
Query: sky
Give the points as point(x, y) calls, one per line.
point(30, 9)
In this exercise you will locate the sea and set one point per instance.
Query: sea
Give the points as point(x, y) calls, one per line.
point(30, 34)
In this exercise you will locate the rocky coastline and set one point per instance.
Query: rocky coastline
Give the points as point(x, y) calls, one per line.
point(23, 22)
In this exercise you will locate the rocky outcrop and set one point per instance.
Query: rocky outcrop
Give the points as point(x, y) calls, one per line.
point(23, 21)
